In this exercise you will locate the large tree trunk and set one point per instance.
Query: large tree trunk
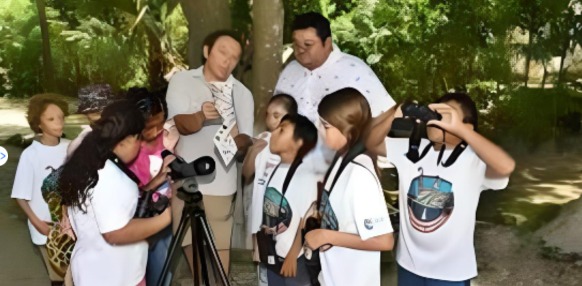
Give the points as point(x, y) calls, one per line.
point(204, 17)
point(268, 19)
point(47, 62)
point(528, 56)
point(562, 60)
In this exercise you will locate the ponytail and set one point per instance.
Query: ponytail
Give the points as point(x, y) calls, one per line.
point(80, 172)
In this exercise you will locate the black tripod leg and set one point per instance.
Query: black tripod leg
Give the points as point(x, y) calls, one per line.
point(199, 251)
point(175, 245)
point(206, 237)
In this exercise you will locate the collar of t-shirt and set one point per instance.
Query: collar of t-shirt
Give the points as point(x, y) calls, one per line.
point(335, 55)
point(199, 73)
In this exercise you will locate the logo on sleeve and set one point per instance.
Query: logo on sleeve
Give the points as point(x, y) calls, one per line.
point(368, 224)
point(430, 202)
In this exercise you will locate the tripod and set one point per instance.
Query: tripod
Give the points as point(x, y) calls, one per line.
point(203, 246)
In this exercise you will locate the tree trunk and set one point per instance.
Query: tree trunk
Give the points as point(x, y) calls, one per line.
point(155, 61)
point(545, 76)
point(267, 41)
point(562, 59)
point(204, 17)
point(528, 56)
point(47, 62)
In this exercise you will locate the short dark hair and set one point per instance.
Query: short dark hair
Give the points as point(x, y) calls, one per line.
point(304, 130)
point(211, 39)
point(313, 20)
point(467, 105)
point(150, 103)
point(37, 106)
point(285, 100)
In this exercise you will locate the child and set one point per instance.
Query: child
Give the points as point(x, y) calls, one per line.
point(46, 115)
point(101, 195)
point(440, 191)
point(259, 163)
point(290, 190)
point(148, 163)
point(355, 221)
point(92, 99)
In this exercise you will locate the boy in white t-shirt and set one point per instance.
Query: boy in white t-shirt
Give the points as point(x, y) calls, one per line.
point(258, 165)
point(291, 190)
point(440, 187)
point(46, 116)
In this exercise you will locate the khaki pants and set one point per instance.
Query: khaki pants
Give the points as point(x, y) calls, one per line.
point(53, 276)
point(219, 210)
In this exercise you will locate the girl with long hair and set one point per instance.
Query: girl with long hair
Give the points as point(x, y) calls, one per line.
point(102, 195)
point(355, 225)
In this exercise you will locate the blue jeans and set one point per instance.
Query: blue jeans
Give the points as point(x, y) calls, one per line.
point(407, 278)
point(301, 278)
point(157, 256)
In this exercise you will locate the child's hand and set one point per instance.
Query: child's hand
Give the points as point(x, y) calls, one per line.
point(317, 238)
point(289, 268)
point(450, 122)
point(65, 226)
point(43, 227)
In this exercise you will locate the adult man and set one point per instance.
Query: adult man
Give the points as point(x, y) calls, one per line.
point(214, 114)
point(320, 68)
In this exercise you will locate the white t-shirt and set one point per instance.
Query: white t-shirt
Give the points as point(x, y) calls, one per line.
point(339, 71)
point(111, 206)
point(356, 205)
point(31, 171)
point(284, 213)
point(437, 211)
point(265, 163)
point(187, 91)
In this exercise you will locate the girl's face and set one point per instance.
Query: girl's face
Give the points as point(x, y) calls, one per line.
point(275, 112)
point(93, 116)
point(154, 126)
point(128, 148)
point(282, 139)
point(333, 138)
point(52, 121)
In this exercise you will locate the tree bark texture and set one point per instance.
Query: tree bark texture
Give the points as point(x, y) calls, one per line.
point(268, 16)
point(47, 61)
point(204, 17)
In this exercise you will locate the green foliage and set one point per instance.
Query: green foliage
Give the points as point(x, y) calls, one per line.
point(525, 118)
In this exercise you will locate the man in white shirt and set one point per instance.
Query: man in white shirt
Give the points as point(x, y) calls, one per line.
point(214, 114)
point(320, 68)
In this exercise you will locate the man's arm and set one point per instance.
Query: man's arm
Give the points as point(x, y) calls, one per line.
point(192, 123)
point(379, 128)
point(499, 163)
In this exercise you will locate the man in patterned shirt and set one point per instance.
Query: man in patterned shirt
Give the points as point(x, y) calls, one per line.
point(320, 68)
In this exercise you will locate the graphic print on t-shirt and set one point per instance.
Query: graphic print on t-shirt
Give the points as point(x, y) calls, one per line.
point(328, 218)
point(274, 217)
point(430, 202)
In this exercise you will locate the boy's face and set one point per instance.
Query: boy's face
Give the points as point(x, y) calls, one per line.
point(436, 134)
point(153, 127)
point(275, 112)
point(282, 139)
point(52, 121)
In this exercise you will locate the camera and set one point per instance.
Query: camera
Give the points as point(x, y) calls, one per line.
point(412, 113)
point(420, 112)
point(180, 169)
